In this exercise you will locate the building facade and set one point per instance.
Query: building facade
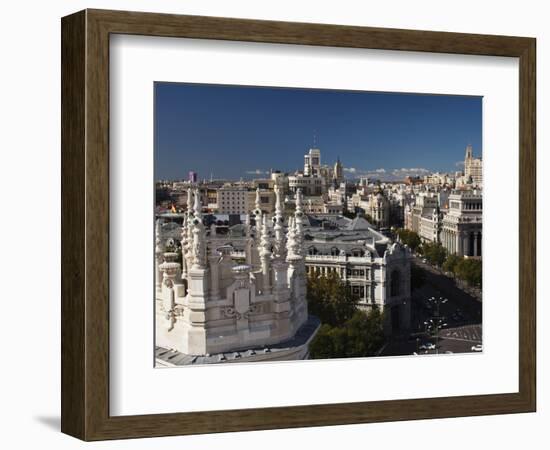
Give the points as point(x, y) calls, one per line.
point(462, 225)
point(233, 200)
point(376, 270)
point(473, 168)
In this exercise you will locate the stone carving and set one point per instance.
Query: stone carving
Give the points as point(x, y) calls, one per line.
point(230, 311)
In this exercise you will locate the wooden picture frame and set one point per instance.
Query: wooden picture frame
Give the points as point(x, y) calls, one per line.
point(85, 224)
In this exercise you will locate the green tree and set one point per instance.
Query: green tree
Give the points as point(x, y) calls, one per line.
point(322, 346)
point(330, 299)
point(409, 238)
point(360, 336)
point(435, 253)
point(450, 263)
point(365, 334)
point(470, 270)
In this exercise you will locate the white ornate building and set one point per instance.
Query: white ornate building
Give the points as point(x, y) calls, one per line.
point(375, 269)
point(462, 225)
point(379, 209)
point(236, 297)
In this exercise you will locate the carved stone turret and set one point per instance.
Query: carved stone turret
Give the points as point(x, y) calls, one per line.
point(292, 243)
point(170, 270)
point(184, 247)
point(229, 307)
point(279, 248)
point(199, 236)
point(299, 219)
point(159, 250)
point(265, 256)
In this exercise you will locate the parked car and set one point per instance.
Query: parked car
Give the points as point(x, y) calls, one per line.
point(477, 348)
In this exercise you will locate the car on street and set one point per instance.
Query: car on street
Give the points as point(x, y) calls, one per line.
point(477, 348)
point(427, 346)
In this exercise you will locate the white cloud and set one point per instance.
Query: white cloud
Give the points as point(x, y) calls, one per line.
point(459, 164)
point(412, 171)
point(387, 174)
point(364, 172)
point(257, 172)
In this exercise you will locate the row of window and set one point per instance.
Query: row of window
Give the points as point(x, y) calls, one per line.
point(473, 206)
point(336, 252)
point(339, 271)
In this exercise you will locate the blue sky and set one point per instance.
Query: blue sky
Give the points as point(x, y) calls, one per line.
point(235, 132)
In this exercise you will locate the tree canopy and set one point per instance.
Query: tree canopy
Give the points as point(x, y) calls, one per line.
point(435, 253)
point(360, 336)
point(450, 263)
point(346, 331)
point(470, 270)
point(409, 238)
point(330, 299)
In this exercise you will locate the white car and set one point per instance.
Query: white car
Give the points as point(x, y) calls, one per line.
point(427, 346)
point(477, 348)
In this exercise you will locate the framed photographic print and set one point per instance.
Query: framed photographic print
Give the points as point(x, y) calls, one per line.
point(270, 224)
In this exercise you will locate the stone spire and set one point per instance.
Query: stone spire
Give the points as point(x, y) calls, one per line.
point(292, 244)
point(159, 250)
point(197, 207)
point(265, 244)
point(170, 269)
point(278, 220)
point(189, 201)
point(184, 246)
point(265, 256)
point(199, 241)
point(188, 230)
point(299, 221)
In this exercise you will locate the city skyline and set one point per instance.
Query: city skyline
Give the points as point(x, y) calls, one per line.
point(264, 129)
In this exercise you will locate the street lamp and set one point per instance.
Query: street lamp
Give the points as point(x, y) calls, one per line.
point(436, 322)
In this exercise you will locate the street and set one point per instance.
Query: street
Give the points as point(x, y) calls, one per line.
point(461, 318)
